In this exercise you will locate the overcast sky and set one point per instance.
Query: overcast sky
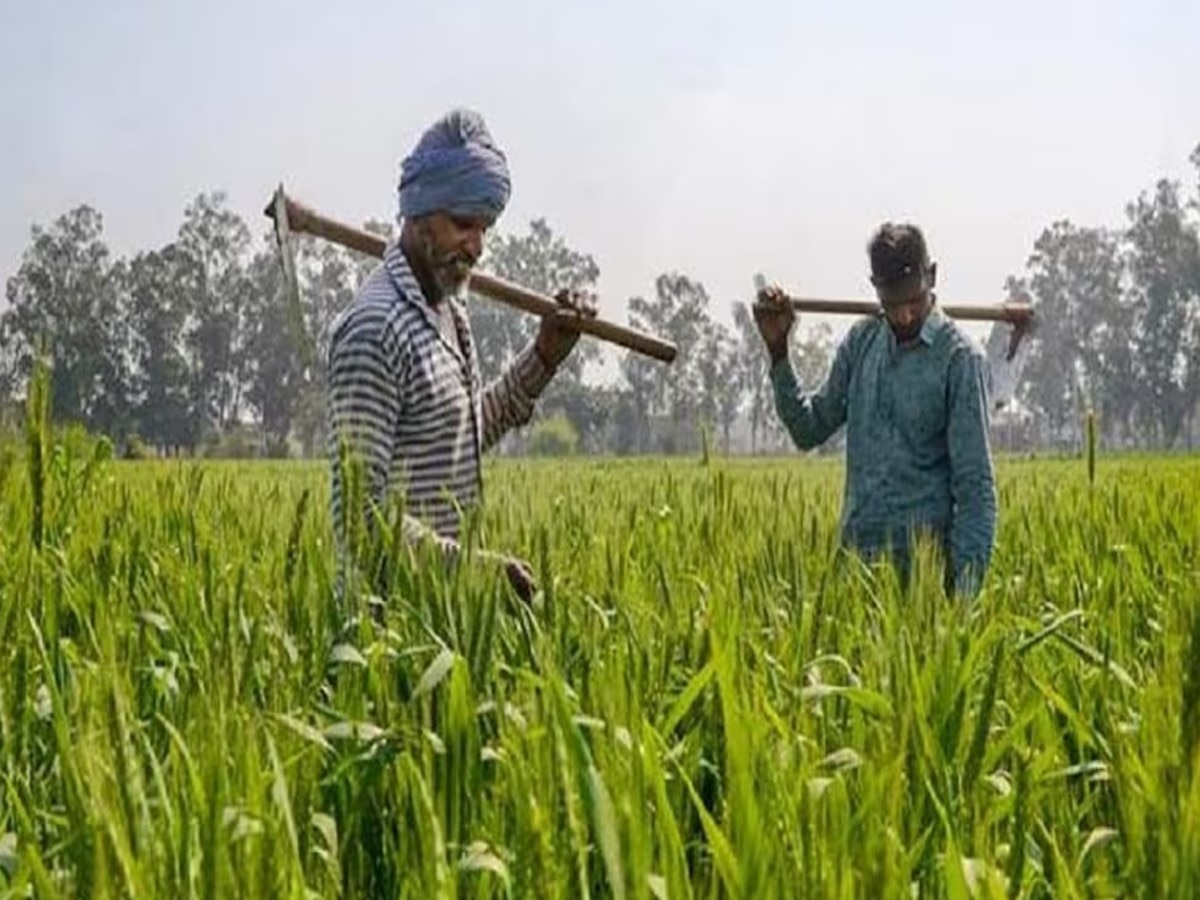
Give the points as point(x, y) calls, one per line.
point(717, 139)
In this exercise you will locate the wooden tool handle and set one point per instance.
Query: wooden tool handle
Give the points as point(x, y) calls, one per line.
point(1016, 313)
point(522, 298)
point(304, 219)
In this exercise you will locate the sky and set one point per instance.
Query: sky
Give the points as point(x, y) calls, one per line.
point(714, 139)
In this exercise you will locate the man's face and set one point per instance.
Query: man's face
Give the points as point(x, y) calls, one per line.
point(906, 306)
point(451, 246)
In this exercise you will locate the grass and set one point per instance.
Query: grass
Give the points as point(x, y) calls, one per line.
point(705, 701)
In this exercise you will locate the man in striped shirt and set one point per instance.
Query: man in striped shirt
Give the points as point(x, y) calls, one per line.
point(404, 383)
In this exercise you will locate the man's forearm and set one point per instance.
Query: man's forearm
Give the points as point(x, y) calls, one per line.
point(508, 402)
point(809, 418)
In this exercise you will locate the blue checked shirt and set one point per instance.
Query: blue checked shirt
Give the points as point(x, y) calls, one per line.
point(917, 447)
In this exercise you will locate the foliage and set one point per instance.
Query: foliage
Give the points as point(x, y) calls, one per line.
point(1119, 313)
point(554, 436)
point(705, 700)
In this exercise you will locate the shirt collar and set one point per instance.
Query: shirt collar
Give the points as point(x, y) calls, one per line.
point(402, 275)
point(929, 328)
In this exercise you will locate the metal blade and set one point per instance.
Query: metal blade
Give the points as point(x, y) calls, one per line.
point(1006, 362)
point(291, 283)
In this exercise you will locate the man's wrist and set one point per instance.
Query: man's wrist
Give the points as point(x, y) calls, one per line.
point(777, 353)
point(545, 357)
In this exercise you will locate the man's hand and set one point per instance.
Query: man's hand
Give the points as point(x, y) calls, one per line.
point(520, 576)
point(774, 316)
point(555, 339)
point(516, 570)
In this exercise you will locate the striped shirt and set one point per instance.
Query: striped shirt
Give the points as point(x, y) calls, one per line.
point(406, 398)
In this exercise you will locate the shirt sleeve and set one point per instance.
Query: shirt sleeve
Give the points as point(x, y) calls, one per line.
point(972, 479)
point(365, 405)
point(812, 418)
point(509, 400)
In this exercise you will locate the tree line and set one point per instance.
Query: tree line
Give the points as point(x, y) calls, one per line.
point(1119, 334)
point(190, 348)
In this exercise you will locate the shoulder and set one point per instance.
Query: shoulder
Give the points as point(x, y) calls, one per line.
point(965, 363)
point(955, 343)
point(861, 333)
point(377, 319)
point(865, 326)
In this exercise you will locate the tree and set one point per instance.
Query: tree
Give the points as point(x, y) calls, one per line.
point(8, 366)
point(679, 312)
point(752, 370)
point(641, 399)
point(158, 286)
point(218, 242)
point(1164, 265)
point(554, 436)
point(721, 388)
point(361, 264)
point(65, 301)
point(1081, 353)
point(1194, 159)
point(541, 261)
point(276, 372)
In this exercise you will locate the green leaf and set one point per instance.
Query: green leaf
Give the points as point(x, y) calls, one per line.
point(434, 674)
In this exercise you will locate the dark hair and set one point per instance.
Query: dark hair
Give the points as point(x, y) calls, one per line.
point(897, 253)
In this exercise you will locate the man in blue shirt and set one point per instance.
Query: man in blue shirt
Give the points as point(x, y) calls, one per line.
point(911, 388)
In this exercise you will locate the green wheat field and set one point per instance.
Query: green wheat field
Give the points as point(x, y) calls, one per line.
point(706, 700)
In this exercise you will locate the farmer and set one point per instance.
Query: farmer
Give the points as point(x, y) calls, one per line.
point(910, 386)
point(404, 383)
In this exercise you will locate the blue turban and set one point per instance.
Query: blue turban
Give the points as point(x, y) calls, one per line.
point(455, 167)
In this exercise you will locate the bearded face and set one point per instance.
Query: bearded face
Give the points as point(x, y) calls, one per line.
point(450, 247)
